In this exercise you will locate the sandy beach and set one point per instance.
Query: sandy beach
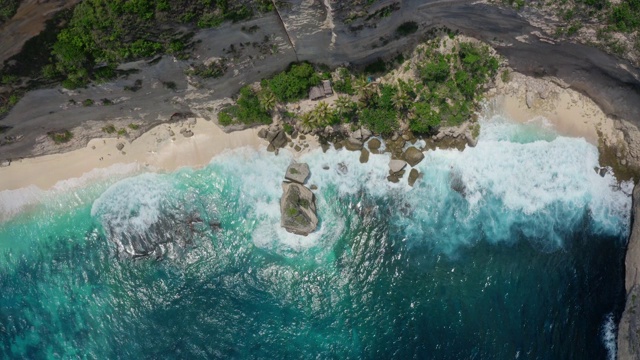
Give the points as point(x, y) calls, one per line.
point(163, 148)
point(567, 111)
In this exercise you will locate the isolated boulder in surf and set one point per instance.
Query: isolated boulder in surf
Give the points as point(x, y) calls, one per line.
point(298, 209)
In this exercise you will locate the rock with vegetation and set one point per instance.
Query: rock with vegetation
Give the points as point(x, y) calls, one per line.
point(298, 173)
point(298, 209)
point(413, 156)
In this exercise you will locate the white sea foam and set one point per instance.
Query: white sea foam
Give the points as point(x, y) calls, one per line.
point(608, 333)
point(517, 177)
point(513, 185)
point(13, 202)
point(133, 204)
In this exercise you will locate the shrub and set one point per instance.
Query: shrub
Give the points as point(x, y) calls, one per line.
point(294, 84)
point(378, 66)
point(87, 102)
point(109, 129)
point(247, 110)
point(224, 118)
point(424, 119)
point(344, 84)
point(435, 71)
point(60, 137)
point(407, 28)
point(379, 121)
point(134, 126)
point(170, 85)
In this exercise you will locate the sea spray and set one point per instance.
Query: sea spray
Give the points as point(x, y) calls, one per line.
point(521, 257)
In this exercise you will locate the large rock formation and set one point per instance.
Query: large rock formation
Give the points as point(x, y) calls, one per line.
point(629, 327)
point(298, 204)
point(298, 209)
point(297, 172)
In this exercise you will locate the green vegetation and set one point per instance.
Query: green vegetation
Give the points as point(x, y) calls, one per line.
point(8, 9)
point(215, 69)
point(109, 129)
point(60, 137)
point(247, 110)
point(293, 84)
point(344, 83)
point(625, 16)
point(103, 33)
point(407, 28)
point(133, 126)
point(379, 121)
point(448, 88)
point(170, 85)
point(122, 132)
point(87, 102)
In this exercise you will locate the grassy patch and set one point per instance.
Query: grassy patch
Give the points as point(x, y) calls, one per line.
point(60, 137)
point(109, 129)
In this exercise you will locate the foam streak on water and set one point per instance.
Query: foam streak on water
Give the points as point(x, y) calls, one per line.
point(511, 249)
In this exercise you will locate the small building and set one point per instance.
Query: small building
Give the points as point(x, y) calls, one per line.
point(316, 93)
point(326, 86)
point(321, 91)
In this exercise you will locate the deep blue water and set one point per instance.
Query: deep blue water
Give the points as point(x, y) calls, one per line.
point(527, 262)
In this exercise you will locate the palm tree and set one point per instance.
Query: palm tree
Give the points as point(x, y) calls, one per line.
point(321, 114)
point(364, 89)
point(343, 105)
point(267, 100)
point(306, 121)
point(400, 100)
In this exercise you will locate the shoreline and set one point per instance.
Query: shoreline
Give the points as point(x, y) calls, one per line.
point(163, 148)
point(568, 112)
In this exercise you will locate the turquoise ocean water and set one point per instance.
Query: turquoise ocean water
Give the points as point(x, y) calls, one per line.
point(524, 261)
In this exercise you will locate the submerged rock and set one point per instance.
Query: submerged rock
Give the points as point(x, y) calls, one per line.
point(297, 172)
point(374, 144)
point(364, 156)
point(342, 168)
point(414, 175)
point(457, 184)
point(353, 144)
point(298, 209)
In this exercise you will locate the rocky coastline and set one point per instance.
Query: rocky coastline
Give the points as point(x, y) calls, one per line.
point(613, 84)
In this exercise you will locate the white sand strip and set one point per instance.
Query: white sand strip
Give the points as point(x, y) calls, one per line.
point(156, 150)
